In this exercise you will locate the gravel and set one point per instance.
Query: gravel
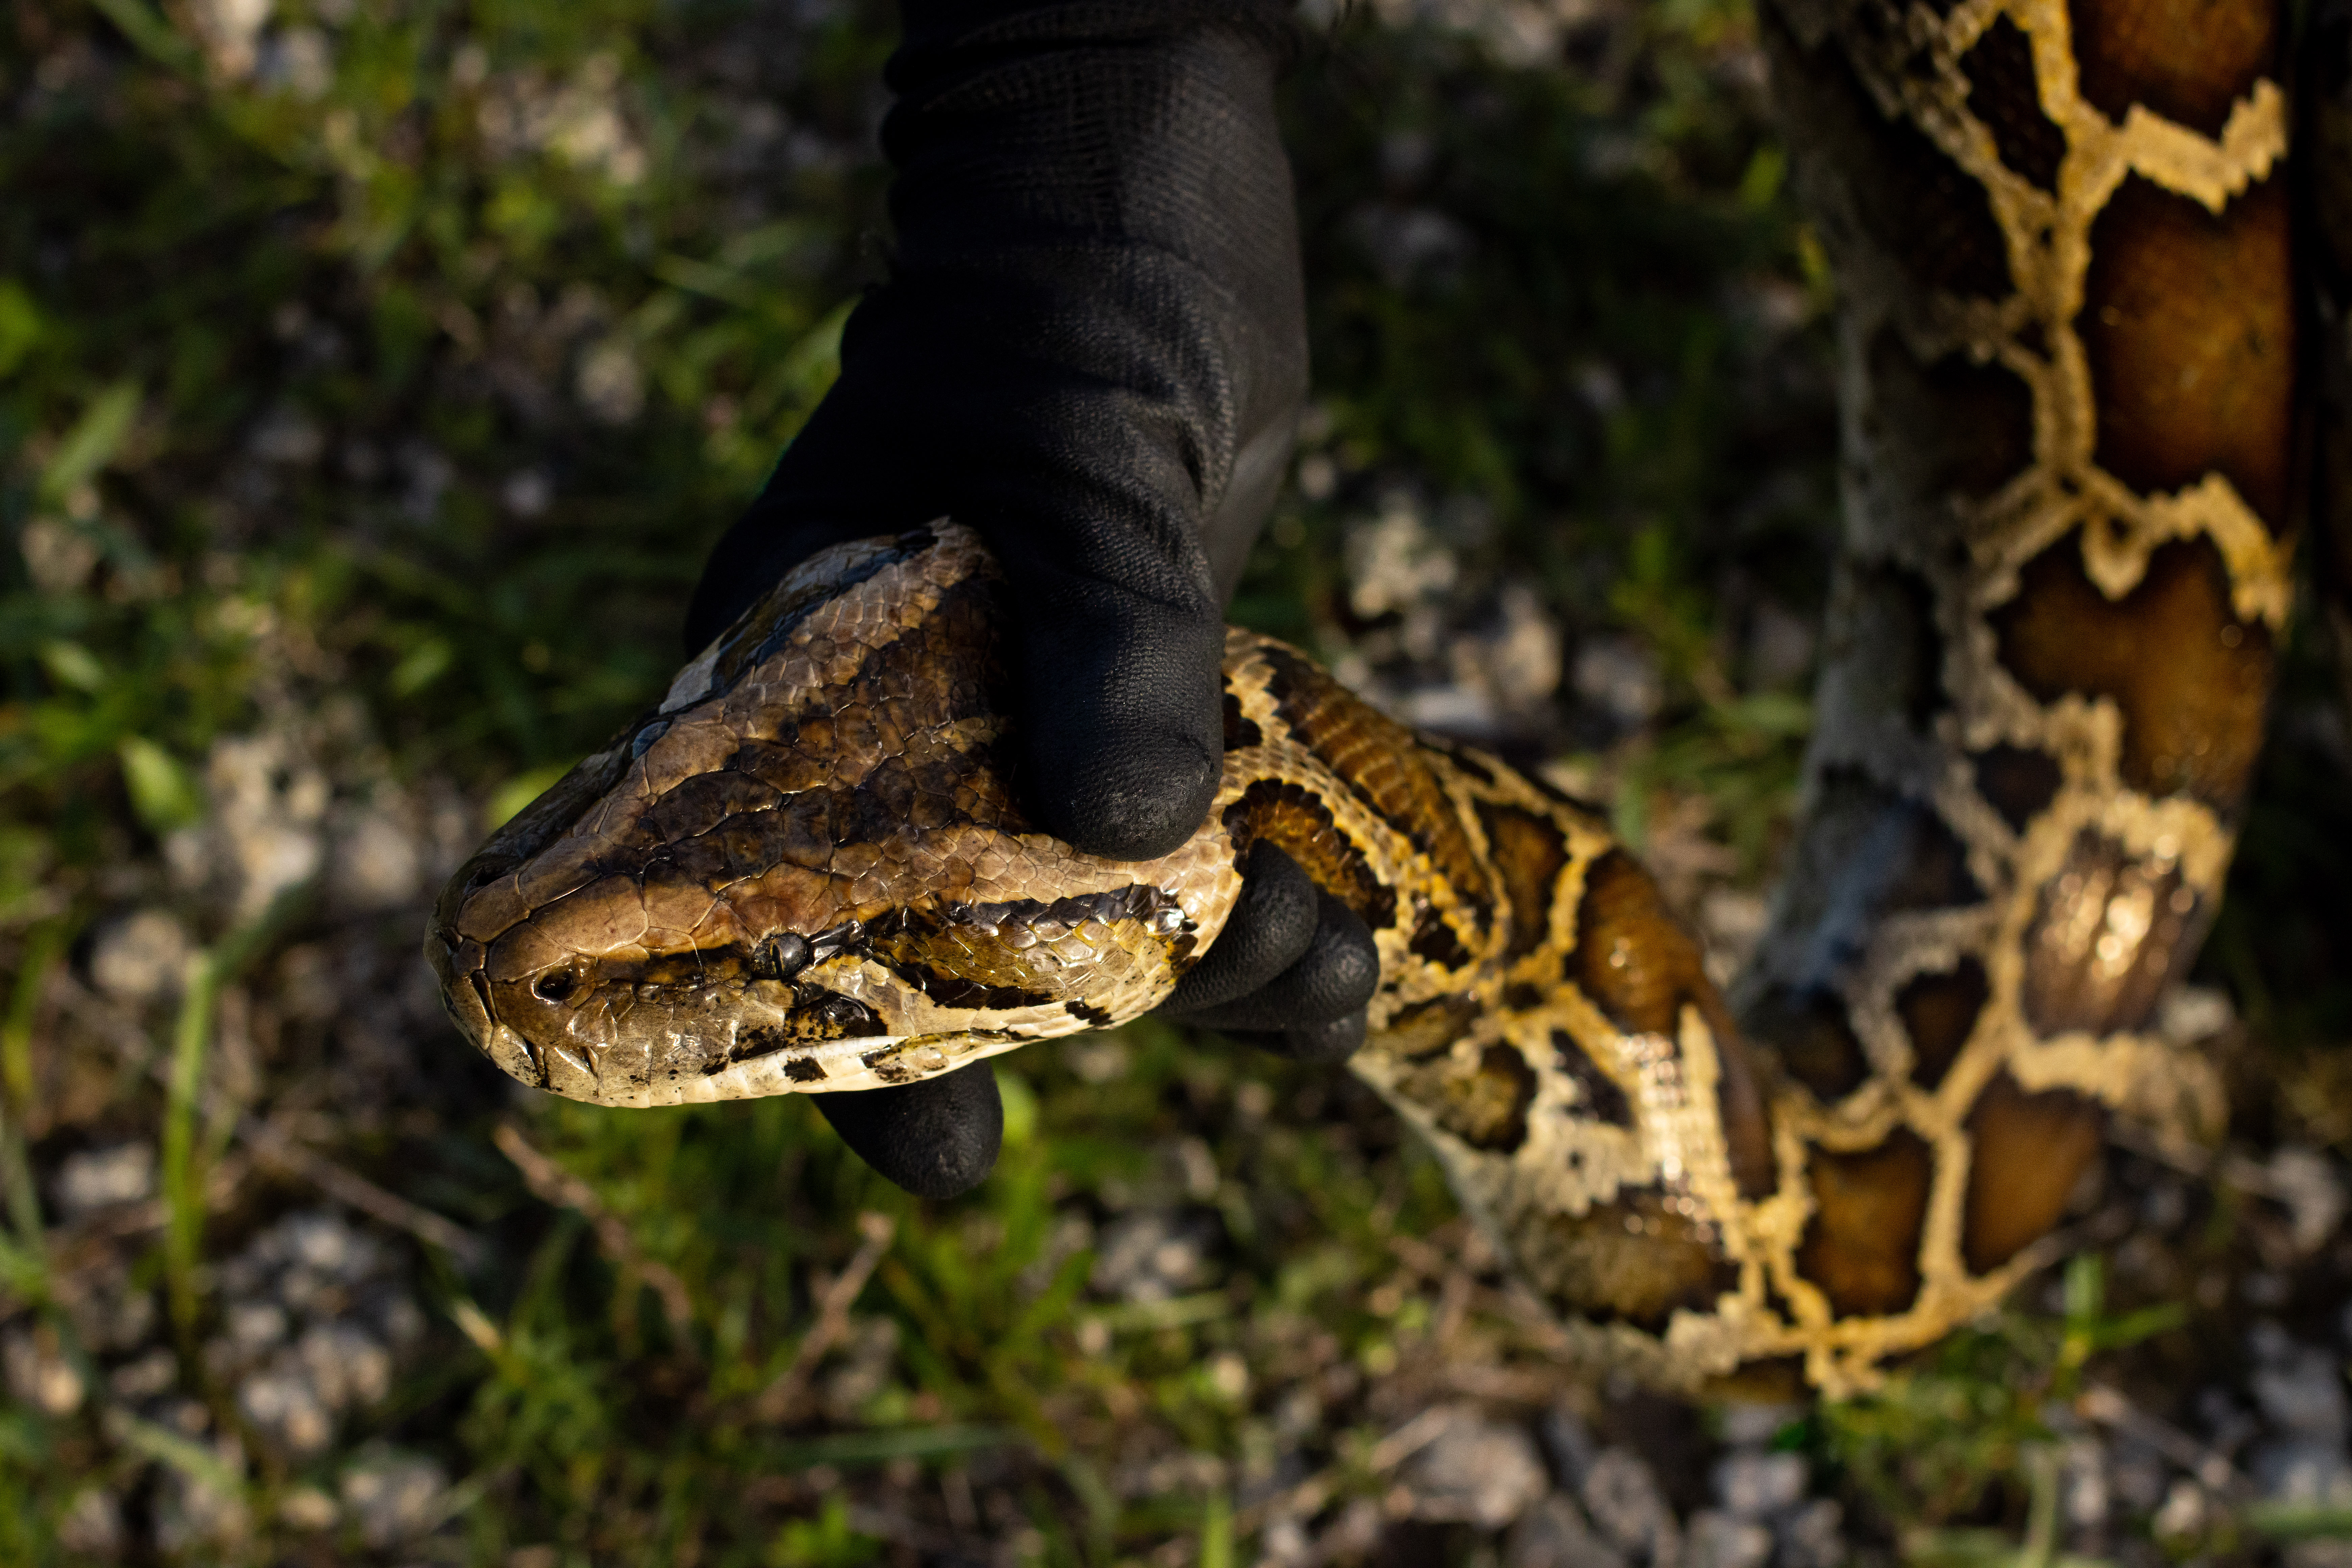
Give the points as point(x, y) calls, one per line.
point(1477, 1472)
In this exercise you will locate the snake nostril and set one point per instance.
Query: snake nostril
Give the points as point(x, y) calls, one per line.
point(555, 986)
point(488, 870)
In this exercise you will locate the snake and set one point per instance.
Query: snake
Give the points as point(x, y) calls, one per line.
point(2067, 340)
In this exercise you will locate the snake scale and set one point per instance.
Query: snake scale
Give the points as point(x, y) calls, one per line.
point(2066, 351)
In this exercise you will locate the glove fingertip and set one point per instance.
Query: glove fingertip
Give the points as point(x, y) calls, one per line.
point(1121, 706)
point(938, 1137)
point(1327, 1043)
point(1132, 796)
point(1272, 923)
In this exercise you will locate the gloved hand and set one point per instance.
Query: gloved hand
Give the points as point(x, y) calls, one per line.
point(1091, 348)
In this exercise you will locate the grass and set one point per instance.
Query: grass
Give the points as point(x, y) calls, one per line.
point(371, 386)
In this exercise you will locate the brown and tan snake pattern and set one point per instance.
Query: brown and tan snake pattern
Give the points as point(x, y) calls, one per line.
point(2066, 345)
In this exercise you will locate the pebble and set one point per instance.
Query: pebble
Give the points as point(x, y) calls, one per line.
point(1621, 678)
point(308, 1508)
point(140, 957)
point(146, 1376)
point(2183, 1510)
point(377, 863)
point(2302, 1392)
point(1623, 1499)
point(310, 1319)
point(1812, 1536)
point(2304, 1180)
point(1755, 1485)
point(92, 1525)
point(101, 1178)
point(1152, 1255)
point(1476, 1472)
point(190, 1512)
point(394, 1497)
point(1715, 1539)
point(37, 1371)
point(285, 1406)
point(2304, 1473)
point(1554, 1534)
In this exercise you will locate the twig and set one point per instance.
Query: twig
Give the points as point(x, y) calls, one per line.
point(556, 1186)
point(2109, 1407)
point(277, 1148)
point(776, 1401)
point(1310, 1496)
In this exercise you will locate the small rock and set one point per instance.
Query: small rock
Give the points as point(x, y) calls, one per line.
point(348, 1366)
point(1283, 1543)
point(1813, 1536)
point(190, 1512)
point(1571, 1445)
point(378, 863)
point(402, 1318)
point(284, 1405)
point(1623, 1499)
point(527, 492)
point(101, 1178)
point(140, 957)
point(92, 1525)
point(2304, 1180)
point(2139, 1477)
point(1476, 1472)
point(1555, 1534)
point(1152, 1255)
point(1717, 1540)
point(286, 435)
point(325, 1241)
point(1354, 1533)
point(1753, 1425)
point(1620, 678)
point(865, 1371)
point(1757, 1486)
point(255, 1326)
point(37, 1371)
point(610, 382)
point(262, 835)
point(1732, 920)
point(146, 1377)
point(394, 1497)
point(2302, 1392)
point(1392, 562)
point(2183, 1512)
point(2302, 1471)
point(1229, 1377)
point(2085, 1484)
point(1410, 243)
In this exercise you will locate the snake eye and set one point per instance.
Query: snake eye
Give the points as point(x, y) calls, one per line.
point(555, 986)
point(780, 957)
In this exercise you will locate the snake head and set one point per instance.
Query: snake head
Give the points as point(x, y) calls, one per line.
point(805, 869)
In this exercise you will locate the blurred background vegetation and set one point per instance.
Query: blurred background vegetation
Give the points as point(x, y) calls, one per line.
point(374, 374)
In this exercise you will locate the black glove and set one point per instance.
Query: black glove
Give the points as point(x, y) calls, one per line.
point(1091, 348)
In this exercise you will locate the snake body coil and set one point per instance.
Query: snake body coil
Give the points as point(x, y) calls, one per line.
point(2066, 349)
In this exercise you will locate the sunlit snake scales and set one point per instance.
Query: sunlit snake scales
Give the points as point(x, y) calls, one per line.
point(2067, 340)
